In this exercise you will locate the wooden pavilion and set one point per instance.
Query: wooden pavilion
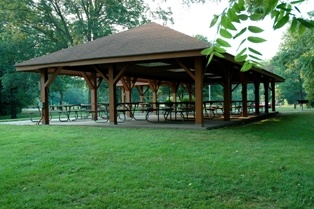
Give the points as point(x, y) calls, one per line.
point(149, 54)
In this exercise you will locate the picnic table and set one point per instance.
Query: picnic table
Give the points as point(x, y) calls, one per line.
point(165, 111)
point(66, 110)
point(212, 109)
point(301, 102)
point(174, 111)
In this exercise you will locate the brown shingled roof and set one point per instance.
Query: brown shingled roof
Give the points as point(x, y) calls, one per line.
point(148, 39)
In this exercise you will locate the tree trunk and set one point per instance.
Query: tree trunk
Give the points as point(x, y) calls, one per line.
point(61, 97)
point(61, 100)
point(301, 90)
point(13, 110)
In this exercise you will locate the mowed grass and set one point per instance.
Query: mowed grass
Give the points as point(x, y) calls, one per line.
point(268, 164)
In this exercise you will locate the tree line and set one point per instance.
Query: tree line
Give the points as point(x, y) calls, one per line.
point(295, 62)
point(31, 28)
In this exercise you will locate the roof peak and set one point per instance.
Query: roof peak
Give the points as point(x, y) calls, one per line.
point(146, 39)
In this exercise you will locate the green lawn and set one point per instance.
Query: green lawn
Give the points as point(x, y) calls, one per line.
point(268, 164)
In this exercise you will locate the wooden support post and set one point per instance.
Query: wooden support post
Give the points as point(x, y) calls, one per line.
point(189, 88)
point(123, 94)
point(273, 96)
point(154, 85)
point(44, 97)
point(227, 78)
point(93, 93)
point(243, 77)
point(91, 80)
point(112, 95)
point(227, 99)
point(127, 92)
point(266, 93)
point(256, 92)
point(199, 76)
point(140, 90)
point(128, 96)
point(127, 89)
point(174, 90)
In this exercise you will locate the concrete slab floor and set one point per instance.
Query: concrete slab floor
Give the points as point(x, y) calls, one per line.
point(214, 123)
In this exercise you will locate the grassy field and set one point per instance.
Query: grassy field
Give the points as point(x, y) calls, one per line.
point(268, 164)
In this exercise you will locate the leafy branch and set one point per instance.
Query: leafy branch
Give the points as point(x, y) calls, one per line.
point(239, 12)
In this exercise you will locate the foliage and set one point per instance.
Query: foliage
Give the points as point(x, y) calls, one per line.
point(263, 165)
point(240, 12)
point(31, 28)
point(17, 90)
point(69, 90)
point(295, 62)
point(65, 23)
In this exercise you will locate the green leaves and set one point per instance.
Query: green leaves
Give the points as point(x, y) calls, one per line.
point(214, 21)
point(255, 29)
point(246, 66)
point(306, 23)
point(214, 50)
point(254, 51)
point(270, 6)
point(233, 16)
point(226, 23)
point(219, 49)
point(224, 33)
point(297, 2)
point(256, 17)
point(240, 11)
point(299, 25)
point(294, 25)
point(240, 58)
point(283, 21)
point(243, 17)
point(301, 29)
point(207, 51)
point(257, 40)
point(223, 43)
point(240, 33)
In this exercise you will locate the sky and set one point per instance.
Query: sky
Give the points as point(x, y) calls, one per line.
point(195, 20)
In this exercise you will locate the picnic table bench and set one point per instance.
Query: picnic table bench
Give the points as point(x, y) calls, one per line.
point(301, 102)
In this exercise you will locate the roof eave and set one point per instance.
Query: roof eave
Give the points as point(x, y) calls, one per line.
point(170, 55)
point(277, 78)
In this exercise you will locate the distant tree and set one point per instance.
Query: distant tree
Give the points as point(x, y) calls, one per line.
point(59, 24)
point(17, 90)
point(295, 62)
point(31, 28)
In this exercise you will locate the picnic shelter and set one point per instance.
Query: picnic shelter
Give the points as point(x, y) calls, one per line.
point(151, 54)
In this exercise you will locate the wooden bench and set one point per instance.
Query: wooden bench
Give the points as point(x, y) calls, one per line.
point(31, 117)
point(185, 112)
point(103, 114)
point(210, 112)
point(38, 114)
point(142, 108)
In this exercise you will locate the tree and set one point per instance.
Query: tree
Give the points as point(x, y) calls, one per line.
point(241, 11)
point(295, 62)
point(32, 28)
point(64, 23)
point(17, 89)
